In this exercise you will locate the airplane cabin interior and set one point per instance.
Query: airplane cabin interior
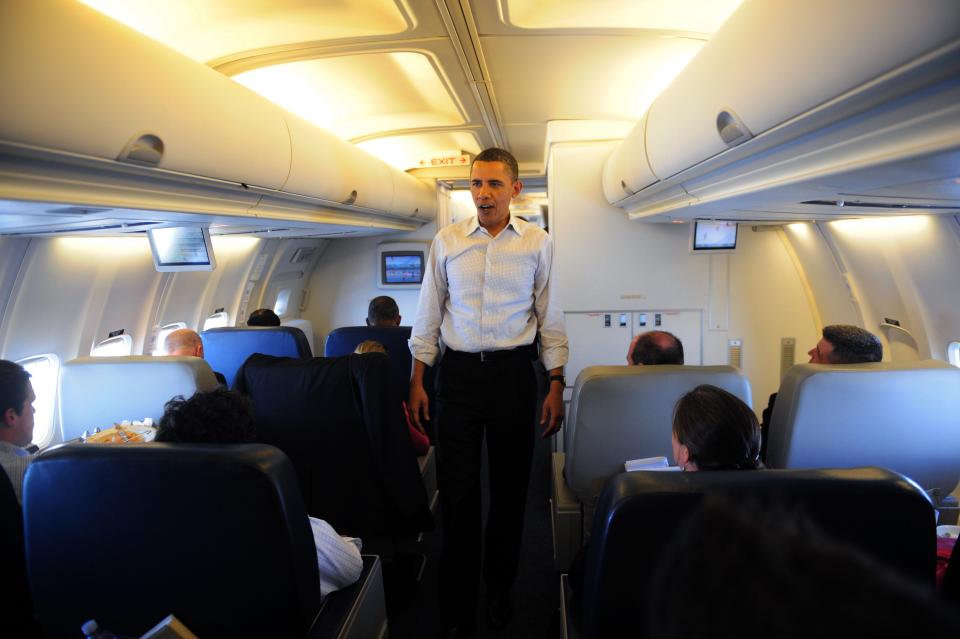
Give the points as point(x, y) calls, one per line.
point(739, 173)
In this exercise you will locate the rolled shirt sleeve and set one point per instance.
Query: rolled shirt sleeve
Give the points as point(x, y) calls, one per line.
point(425, 335)
point(338, 559)
point(554, 348)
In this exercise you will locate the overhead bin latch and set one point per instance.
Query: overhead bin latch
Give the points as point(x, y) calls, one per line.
point(731, 128)
point(145, 150)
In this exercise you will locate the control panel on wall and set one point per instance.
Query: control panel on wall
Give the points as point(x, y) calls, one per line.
point(602, 338)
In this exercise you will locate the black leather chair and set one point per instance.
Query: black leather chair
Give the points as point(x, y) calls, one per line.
point(16, 607)
point(341, 423)
point(344, 341)
point(215, 534)
point(884, 514)
point(226, 348)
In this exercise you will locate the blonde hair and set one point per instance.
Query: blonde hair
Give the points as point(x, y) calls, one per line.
point(370, 346)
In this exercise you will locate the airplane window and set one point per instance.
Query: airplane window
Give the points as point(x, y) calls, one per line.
point(953, 353)
point(218, 319)
point(113, 347)
point(162, 333)
point(283, 299)
point(44, 370)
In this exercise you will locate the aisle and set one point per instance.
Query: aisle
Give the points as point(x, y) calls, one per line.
point(413, 612)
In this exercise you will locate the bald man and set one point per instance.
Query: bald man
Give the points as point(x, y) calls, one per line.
point(655, 347)
point(186, 342)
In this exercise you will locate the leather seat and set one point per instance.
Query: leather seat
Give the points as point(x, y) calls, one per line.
point(96, 392)
point(227, 348)
point(215, 534)
point(618, 413)
point(881, 512)
point(901, 416)
point(16, 607)
point(341, 423)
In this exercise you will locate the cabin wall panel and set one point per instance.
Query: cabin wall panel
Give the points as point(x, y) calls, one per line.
point(904, 268)
point(12, 253)
point(70, 290)
point(604, 261)
point(344, 282)
point(833, 297)
point(767, 302)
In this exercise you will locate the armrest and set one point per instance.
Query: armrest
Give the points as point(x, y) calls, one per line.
point(356, 612)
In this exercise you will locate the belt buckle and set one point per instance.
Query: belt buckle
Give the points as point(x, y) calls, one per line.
point(483, 356)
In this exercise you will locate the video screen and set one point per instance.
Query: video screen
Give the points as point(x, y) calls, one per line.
point(180, 246)
point(714, 235)
point(403, 267)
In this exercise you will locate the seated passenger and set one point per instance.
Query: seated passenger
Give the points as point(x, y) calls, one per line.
point(226, 417)
point(383, 311)
point(263, 317)
point(715, 430)
point(791, 580)
point(655, 347)
point(840, 344)
point(16, 428)
point(187, 342)
point(712, 430)
point(418, 437)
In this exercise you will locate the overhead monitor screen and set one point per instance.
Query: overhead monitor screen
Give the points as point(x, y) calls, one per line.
point(709, 235)
point(185, 248)
point(402, 267)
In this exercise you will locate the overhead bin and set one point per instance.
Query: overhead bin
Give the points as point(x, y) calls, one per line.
point(77, 82)
point(769, 63)
point(627, 171)
point(327, 167)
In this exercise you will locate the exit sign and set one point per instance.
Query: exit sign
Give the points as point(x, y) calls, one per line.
point(444, 159)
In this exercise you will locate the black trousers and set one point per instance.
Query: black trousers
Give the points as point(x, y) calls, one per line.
point(496, 398)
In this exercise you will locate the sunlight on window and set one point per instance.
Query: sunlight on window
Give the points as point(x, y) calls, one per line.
point(953, 353)
point(44, 371)
point(217, 320)
point(113, 347)
point(162, 333)
point(283, 300)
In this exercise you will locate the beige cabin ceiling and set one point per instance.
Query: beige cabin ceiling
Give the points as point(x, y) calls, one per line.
point(405, 79)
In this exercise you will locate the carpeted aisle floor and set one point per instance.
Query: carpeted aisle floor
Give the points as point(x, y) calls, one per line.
point(412, 610)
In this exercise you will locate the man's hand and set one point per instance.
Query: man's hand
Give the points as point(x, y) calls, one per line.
point(552, 416)
point(418, 402)
point(633, 345)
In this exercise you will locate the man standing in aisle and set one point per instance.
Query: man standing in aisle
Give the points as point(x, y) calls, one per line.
point(486, 294)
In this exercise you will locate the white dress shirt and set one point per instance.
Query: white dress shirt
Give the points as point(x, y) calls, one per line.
point(338, 558)
point(484, 293)
point(14, 461)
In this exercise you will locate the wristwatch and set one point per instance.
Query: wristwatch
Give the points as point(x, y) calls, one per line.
point(558, 378)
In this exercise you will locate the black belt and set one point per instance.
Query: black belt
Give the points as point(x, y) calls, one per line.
point(526, 351)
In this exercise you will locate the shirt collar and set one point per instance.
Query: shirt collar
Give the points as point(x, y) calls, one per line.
point(14, 450)
point(514, 223)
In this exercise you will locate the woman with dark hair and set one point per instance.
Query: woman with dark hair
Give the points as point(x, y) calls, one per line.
point(715, 430)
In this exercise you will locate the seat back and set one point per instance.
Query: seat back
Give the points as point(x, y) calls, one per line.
point(884, 514)
point(340, 421)
point(227, 348)
point(619, 413)
point(96, 392)
point(898, 416)
point(16, 608)
point(215, 534)
point(344, 340)
point(304, 325)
